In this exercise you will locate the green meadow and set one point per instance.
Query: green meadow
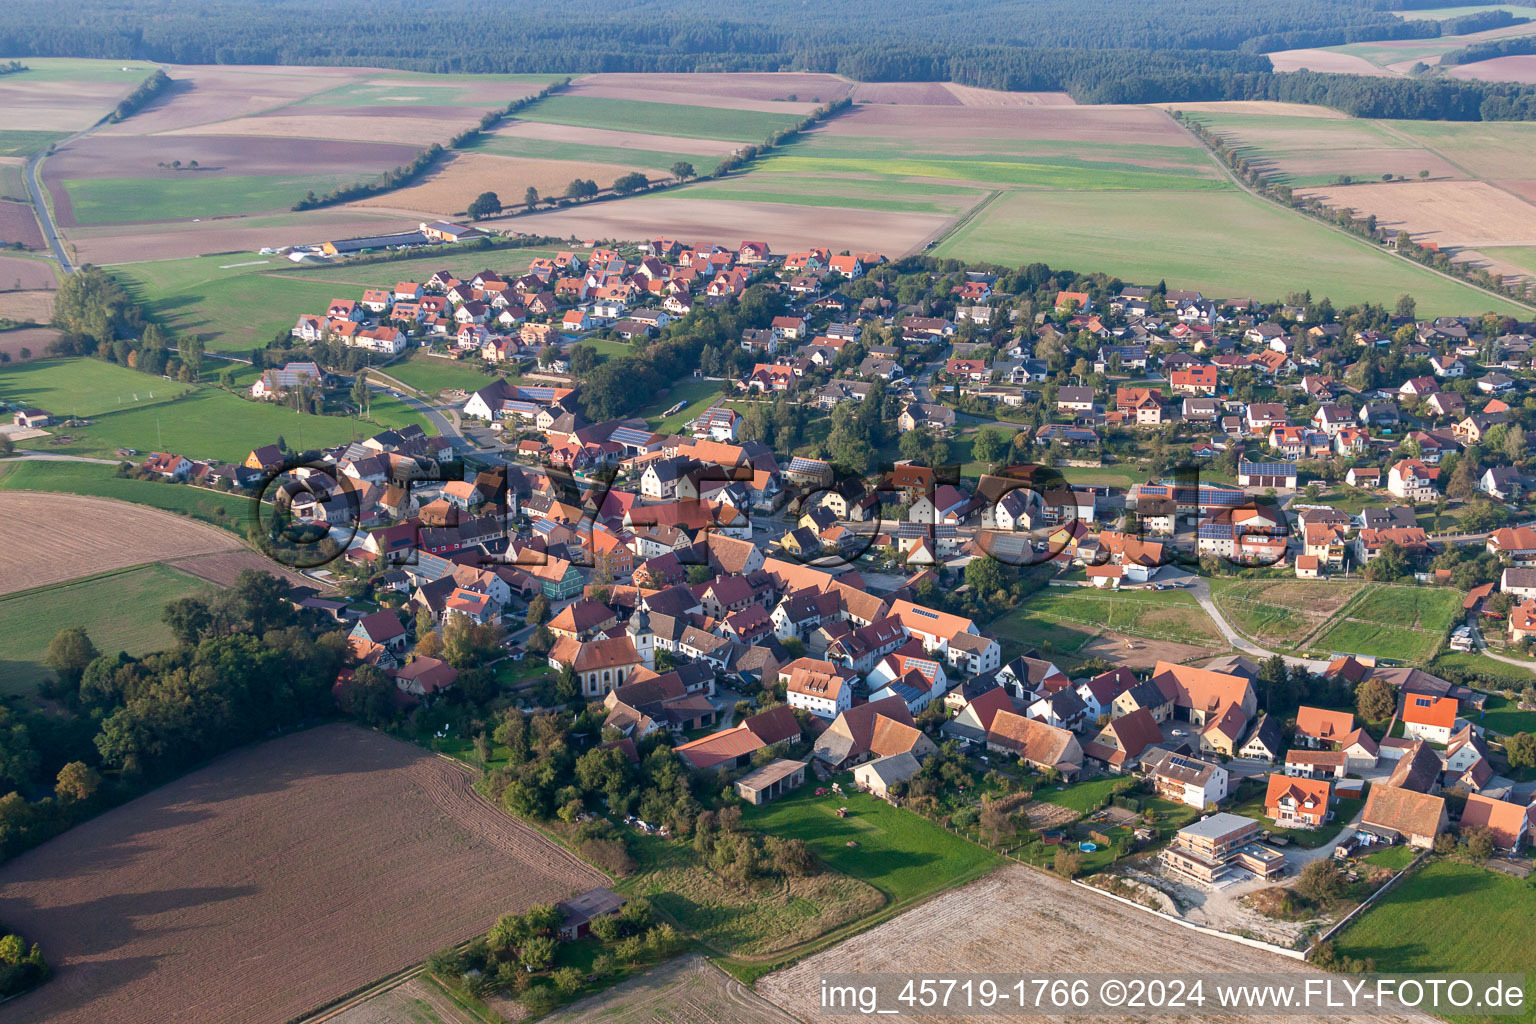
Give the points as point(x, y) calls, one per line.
point(189, 194)
point(25, 143)
point(1227, 244)
point(681, 119)
point(120, 610)
point(83, 387)
point(229, 511)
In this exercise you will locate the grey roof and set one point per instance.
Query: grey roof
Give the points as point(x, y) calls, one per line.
point(1217, 825)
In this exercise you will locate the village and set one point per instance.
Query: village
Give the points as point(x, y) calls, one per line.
point(828, 606)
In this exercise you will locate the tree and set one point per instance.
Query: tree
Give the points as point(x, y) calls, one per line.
point(1068, 862)
point(69, 652)
point(486, 204)
point(630, 183)
point(989, 446)
point(538, 610)
point(986, 575)
point(1321, 881)
point(77, 781)
point(537, 952)
point(1388, 566)
point(531, 197)
point(430, 646)
point(581, 188)
point(1520, 749)
point(360, 391)
point(683, 170)
point(1375, 699)
point(1478, 841)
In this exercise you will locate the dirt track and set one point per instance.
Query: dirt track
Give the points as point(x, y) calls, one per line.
point(274, 880)
point(688, 990)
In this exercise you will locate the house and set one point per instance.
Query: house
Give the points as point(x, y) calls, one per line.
point(1508, 823)
point(1187, 780)
point(1404, 815)
point(1360, 751)
point(578, 912)
point(878, 776)
point(291, 377)
point(1320, 729)
point(1075, 399)
point(424, 677)
point(1429, 718)
point(1212, 846)
point(1297, 803)
point(1279, 475)
point(1061, 708)
point(1265, 742)
point(1502, 482)
point(1315, 764)
point(974, 720)
point(32, 419)
point(1418, 769)
point(1412, 480)
point(1141, 406)
point(880, 728)
point(382, 628)
point(1364, 477)
point(1518, 543)
point(1122, 741)
point(817, 687)
point(1196, 380)
point(1043, 746)
point(600, 665)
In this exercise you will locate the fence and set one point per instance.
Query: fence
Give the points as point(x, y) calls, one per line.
point(1390, 884)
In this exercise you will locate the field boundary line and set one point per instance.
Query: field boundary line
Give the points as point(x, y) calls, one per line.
point(944, 234)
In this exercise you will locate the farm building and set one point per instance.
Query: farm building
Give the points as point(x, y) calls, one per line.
point(771, 781)
point(581, 911)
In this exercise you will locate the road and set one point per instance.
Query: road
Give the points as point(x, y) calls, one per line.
point(1202, 591)
point(44, 213)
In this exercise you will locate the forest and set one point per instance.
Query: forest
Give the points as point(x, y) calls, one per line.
point(1102, 51)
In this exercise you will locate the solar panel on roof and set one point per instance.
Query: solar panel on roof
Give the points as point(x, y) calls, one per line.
point(631, 436)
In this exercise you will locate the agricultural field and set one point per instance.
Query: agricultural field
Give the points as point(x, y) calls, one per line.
point(687, 990)
point(56, 537)
point(1280, 612)
point(1446, 918)
point(746, 923)
point(128, 409)
point(58, 96)
point(417, 1001)
point(1402, 624)
point(1168, 615)
point(228, 511)
point(903, 855)
point(697, 119)
point(120, 610)
point(299, 858)
point(1226, 243)
point(1018, 921)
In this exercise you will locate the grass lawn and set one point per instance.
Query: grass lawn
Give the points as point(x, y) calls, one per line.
point(25, 143)
point(1223, 242)
point(1028, 630)
point(187, 194)
point(1494, 673)
point(432, 374)
point(1379, 640)
point(1505, 717)
point(230, 511)
point(1280, 612)
point(1450, 917)
point(695, 394)
point(681, 119)
point(120, 610)
point(1162, 614)
point(1430, 608)
point(1083, 797)
point(83, 387)
point(904, 856)
point(209, 423)
point(1394, 857)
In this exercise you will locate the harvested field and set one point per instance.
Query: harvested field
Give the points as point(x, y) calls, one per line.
point(458, 180)
point(66, 95)
point(217, 155)
point(765, 85)
point(224, 567)
point(1322, 168)
point(34, 339)
point(687, 990)
point(609, 138)
point(971, 96)
point(19, 273)
point(18, 224)
point(56, 537)
point(1266, 107)
point(288, 123)
point(717, 220)
point(1117, 124)
point(1491, 150)
point(698, 98)
point(922, 94)
point(204, 94)
point(1330, 61)
point(1500, 69)
point(1449, 213)
point(1019, 921)
point(417, 1001)
point(300, 860)
point(27, 306)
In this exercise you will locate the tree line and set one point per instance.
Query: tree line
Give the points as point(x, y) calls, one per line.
point(1516, 46)
point(245, 663)
point(147, 90)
